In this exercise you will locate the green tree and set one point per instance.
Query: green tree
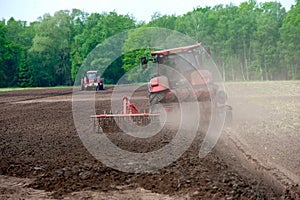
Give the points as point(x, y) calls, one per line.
point(196, 24)
point(21, 35)
point(289, 44)
point(3, 54)
point(51, 49)
point(10, 57)
point(165, 21)
point(266, 36)
point(25, 77)
point(97, 29)
point(248, 42)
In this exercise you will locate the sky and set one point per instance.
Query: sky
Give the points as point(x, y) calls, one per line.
point(30, 10)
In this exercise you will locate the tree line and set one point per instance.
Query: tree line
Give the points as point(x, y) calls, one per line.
point(248, 42)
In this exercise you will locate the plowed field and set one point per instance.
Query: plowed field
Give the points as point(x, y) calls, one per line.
point(257, 157)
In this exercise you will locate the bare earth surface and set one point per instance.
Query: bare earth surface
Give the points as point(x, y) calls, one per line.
point(267, 126)
point(257, 156)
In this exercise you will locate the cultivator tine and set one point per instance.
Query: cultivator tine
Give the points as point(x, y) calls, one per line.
point(110, 122)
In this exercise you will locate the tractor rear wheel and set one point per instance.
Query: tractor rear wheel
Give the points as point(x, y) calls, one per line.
point(156, 97)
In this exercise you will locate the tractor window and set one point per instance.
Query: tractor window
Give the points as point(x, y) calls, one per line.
point(181, 62)
point(94, 76)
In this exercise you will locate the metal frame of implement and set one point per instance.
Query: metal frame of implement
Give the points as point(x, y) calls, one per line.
point(130, 112)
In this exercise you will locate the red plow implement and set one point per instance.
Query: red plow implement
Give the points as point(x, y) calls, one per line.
point(111, 122)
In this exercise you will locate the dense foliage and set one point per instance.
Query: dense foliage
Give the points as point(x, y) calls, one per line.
point(248, 42)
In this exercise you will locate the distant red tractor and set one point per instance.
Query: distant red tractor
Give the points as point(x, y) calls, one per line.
point(92, 81)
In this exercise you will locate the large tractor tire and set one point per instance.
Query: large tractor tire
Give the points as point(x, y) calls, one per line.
point(100, 86)
point(156, 97)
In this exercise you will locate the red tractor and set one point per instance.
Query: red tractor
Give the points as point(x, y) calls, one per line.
point(181, 76)
point(91, 81)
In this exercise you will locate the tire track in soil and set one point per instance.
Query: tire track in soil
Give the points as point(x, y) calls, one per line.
point(247, 165)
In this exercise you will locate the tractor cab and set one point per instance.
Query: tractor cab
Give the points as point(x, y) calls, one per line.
point(92, 76)
point(176, 68)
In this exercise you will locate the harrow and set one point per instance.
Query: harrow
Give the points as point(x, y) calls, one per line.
point(111, 122)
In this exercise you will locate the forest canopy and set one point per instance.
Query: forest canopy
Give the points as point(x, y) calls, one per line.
point(248, 42)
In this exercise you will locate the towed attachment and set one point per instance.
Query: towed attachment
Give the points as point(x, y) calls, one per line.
point(108, 122)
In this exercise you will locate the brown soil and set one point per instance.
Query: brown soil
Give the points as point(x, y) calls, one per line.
point(42, 156)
